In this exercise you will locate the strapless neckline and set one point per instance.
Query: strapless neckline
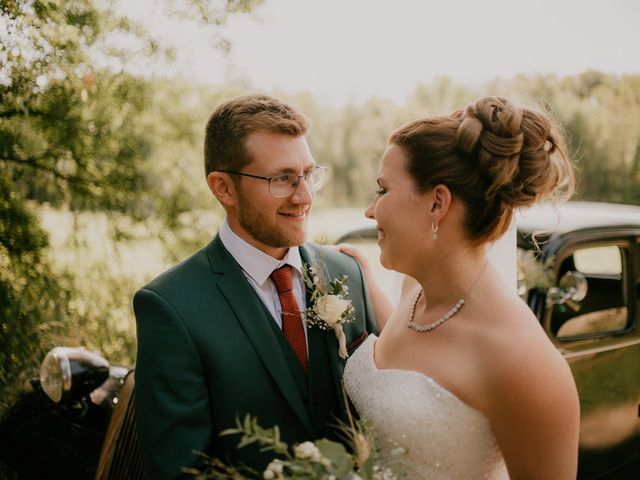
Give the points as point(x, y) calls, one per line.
point(373, 339)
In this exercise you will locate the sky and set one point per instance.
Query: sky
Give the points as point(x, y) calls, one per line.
point(349, 50)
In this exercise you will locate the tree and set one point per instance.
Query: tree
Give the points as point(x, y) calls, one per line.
point(32, 299)
point(77, 137)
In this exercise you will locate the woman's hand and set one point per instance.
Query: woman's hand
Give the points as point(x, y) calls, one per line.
point(381, 303)
point(357, 254)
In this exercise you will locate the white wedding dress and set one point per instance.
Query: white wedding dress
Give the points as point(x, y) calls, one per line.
point(444, 437)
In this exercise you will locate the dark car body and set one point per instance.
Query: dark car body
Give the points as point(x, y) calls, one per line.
point(40, 438)
point(599, 335)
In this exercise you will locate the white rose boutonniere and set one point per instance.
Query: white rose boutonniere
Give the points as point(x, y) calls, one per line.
point(329, 307)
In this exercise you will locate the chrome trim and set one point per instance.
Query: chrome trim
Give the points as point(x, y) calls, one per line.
point(605, 348)
point(61, 355)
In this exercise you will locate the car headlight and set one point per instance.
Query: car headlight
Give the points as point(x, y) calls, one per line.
point(72, 373)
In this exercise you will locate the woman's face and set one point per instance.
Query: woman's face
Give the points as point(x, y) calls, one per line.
point(401, 213)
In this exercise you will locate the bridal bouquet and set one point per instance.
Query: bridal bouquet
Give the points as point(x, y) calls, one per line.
point(329, 306)
point(319, 460)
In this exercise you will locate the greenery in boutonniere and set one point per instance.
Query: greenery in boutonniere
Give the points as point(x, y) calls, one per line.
point(329, 307)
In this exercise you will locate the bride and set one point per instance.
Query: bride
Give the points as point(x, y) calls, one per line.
point(462, 376)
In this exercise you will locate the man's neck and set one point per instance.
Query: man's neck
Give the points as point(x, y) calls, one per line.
point(276, 252)
point(255, 262)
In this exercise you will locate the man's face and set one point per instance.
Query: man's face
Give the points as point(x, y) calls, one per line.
point(273, 224)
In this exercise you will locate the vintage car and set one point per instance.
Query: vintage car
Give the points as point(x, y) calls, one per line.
point(582, 281)
point(57, 428)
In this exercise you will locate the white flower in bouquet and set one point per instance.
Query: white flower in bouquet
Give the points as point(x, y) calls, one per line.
point(308, 450)
point(274, 470)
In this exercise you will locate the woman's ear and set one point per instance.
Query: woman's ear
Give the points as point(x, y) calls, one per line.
point(440, 202)
point(222, 186)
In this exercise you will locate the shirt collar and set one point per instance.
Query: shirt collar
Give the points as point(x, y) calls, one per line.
point(257, 264)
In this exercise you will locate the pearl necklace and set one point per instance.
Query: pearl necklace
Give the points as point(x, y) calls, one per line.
point(456, 308)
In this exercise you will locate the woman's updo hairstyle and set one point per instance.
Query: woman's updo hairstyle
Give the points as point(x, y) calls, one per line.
point(493, 156)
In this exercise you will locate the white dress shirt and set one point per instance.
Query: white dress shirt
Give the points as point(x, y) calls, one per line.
point(257, 266)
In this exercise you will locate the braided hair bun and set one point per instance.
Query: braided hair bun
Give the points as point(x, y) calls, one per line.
point(512, 147)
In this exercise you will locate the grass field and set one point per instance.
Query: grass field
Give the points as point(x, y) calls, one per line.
point(82, 241)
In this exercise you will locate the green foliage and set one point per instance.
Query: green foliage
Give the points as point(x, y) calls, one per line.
point(320, 460)
point(69, 136)
point(87, 139)
point(32, 300)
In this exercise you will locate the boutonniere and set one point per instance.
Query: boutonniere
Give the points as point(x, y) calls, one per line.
point(329, 308)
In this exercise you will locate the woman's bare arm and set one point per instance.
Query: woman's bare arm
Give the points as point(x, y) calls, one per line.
point(381, 303)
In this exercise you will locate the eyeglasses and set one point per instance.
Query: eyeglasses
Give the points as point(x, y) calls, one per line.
point(283, 186)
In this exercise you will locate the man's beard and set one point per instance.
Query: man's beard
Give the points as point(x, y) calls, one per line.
point(255, 224)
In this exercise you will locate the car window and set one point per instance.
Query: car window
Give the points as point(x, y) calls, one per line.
point(598, 260)
point(604, 309)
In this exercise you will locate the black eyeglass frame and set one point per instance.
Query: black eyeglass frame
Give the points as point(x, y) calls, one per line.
point(268, 179)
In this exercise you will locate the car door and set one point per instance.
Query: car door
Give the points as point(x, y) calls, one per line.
point(600, 338)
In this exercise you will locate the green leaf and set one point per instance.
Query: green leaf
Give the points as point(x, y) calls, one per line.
point(337, 454)
point(366, 469)
point(244, 441)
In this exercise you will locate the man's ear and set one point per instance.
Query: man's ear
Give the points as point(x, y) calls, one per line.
point(222, 186)
point(440, 199)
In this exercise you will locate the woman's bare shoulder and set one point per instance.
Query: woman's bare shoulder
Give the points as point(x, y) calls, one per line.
point(522, 351)
point(529, 395)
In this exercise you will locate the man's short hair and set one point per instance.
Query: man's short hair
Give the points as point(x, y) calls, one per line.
point(231, 122)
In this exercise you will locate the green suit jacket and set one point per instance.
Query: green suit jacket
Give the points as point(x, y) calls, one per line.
point(209, 352)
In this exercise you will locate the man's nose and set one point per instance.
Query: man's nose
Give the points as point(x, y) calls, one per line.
point(302, 194)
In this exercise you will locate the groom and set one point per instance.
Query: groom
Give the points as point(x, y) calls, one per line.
point(220, 335)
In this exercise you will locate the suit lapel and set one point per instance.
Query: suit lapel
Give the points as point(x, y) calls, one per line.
point(310, 257)
point(251, 315)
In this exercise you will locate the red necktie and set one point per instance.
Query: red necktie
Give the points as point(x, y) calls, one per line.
point(291, 319)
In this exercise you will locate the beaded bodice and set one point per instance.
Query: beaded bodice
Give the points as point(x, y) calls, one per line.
point(445, 438)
